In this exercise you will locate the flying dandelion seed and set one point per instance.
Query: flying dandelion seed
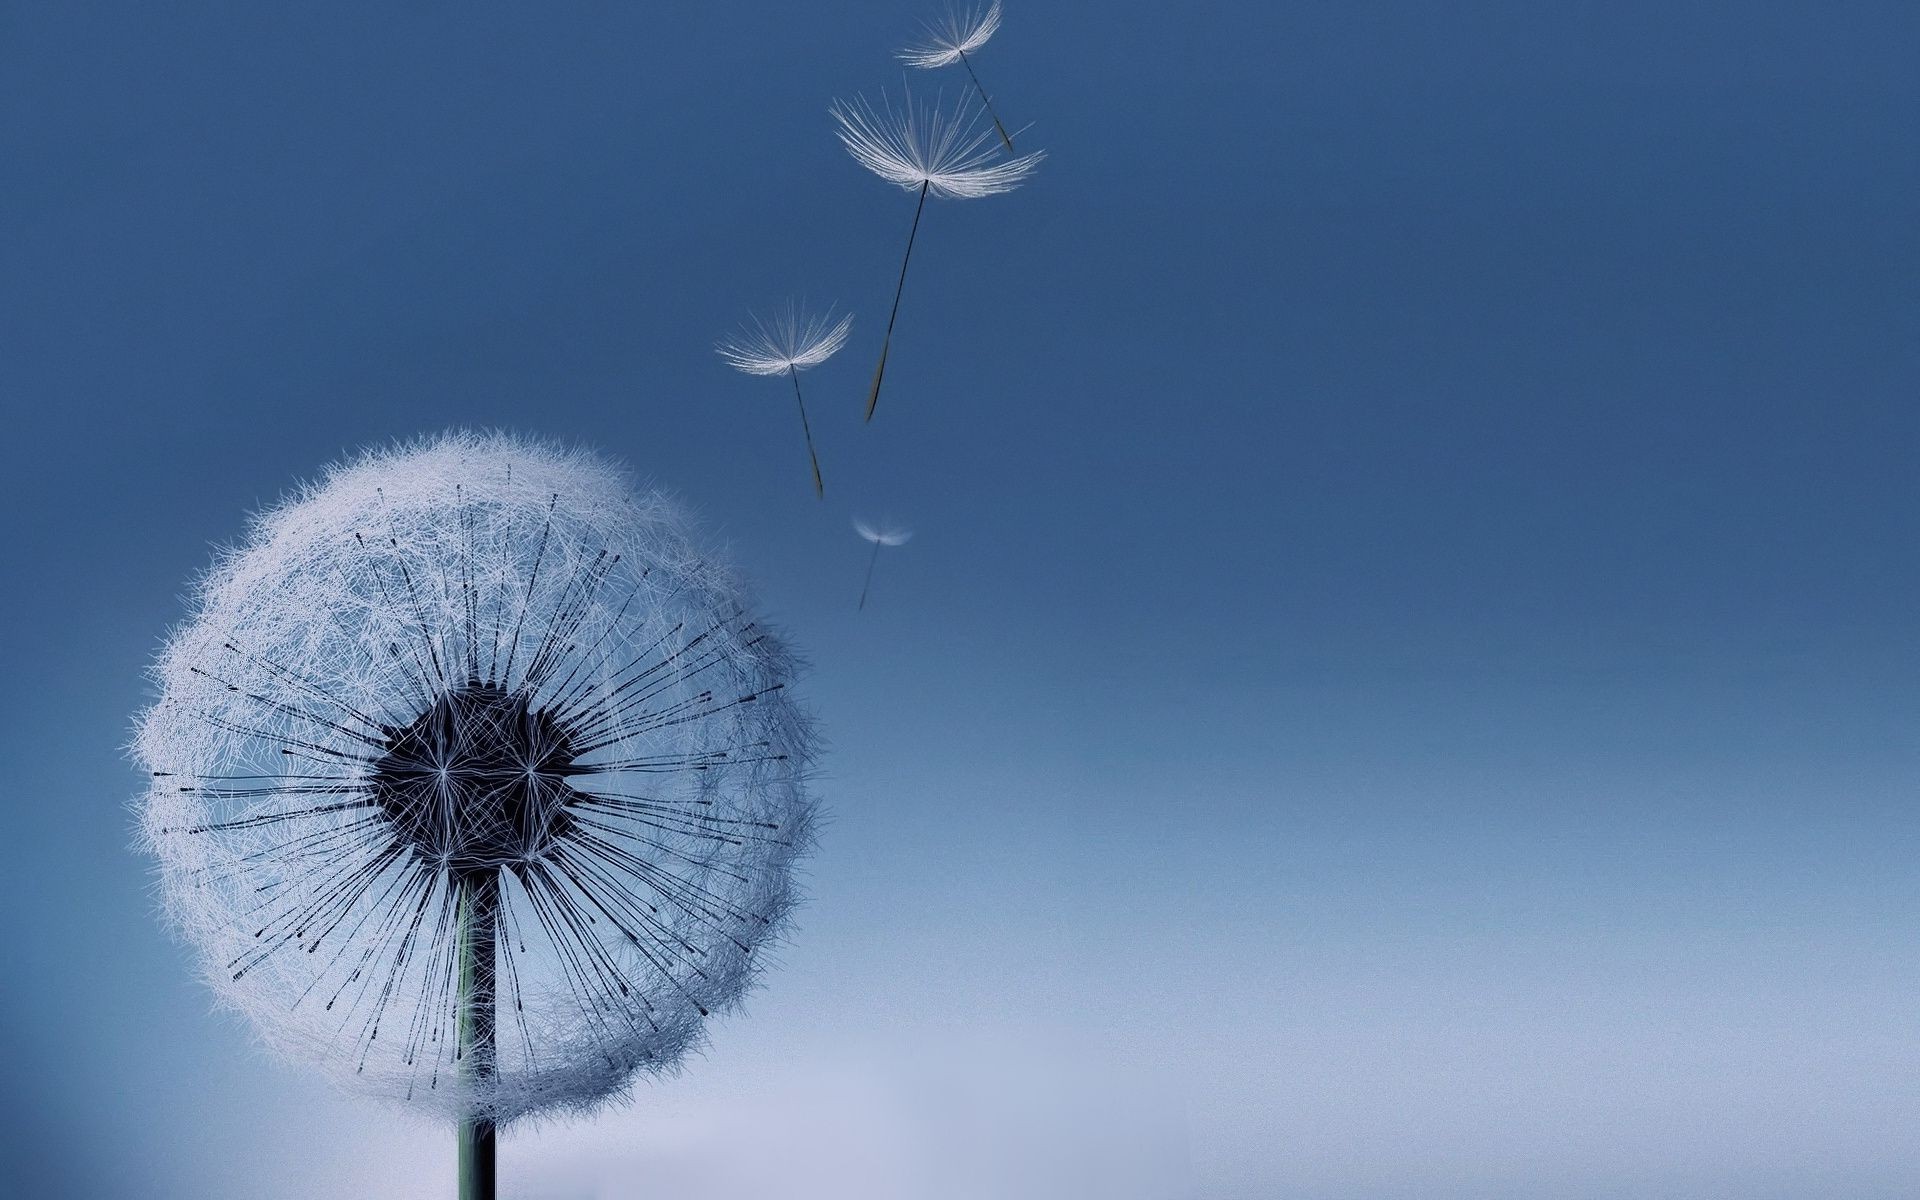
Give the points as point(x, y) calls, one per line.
point(950, 39)
point(473, 782)
point(786, 344)
point(879, 535)
point(929, 150)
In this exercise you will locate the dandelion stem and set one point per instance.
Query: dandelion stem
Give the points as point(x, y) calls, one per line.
point(998, 127)
point(871, 560)
point(873, 397)
point(479, 912)
point(819, 488)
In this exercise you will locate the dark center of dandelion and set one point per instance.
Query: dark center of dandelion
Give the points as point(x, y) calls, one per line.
point(478, 780)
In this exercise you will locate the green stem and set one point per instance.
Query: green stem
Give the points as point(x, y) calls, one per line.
point(479, 914)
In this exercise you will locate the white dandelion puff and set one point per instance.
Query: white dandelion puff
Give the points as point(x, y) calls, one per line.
point(880, 534)
point(791, 340)
point(788, 343)
point(949, 40)
point(474, 783)
point(929, 150)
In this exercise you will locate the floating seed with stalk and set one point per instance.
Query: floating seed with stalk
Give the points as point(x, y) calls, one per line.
point(928, 150)
point(953, 37)
point(886, 534)
point(787, 343)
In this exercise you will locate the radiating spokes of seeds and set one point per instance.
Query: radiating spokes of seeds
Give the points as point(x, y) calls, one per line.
point(950, 40)
point(786, 343)
point(883, 533)
point(544, 750)
point(929, 150)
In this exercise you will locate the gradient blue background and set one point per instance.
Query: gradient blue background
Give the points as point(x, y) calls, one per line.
point(1405, 685)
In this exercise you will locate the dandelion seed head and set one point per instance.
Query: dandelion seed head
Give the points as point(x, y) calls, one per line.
point(959, 33)
point(476, 658)
point(949, 151)
point(790, 339)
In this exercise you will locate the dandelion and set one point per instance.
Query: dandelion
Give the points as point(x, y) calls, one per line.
point(879, 535)
point(950, 39)
point(474, 783)
point(927, 150)
point(787, 344)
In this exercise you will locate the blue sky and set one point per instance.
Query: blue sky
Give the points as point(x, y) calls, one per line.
point(1405, 682)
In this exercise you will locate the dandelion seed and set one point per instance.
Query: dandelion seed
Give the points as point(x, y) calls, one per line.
point(950, 39)
point(879, 535)
point(786, 344)
point(474, 783)
point(928, 150)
